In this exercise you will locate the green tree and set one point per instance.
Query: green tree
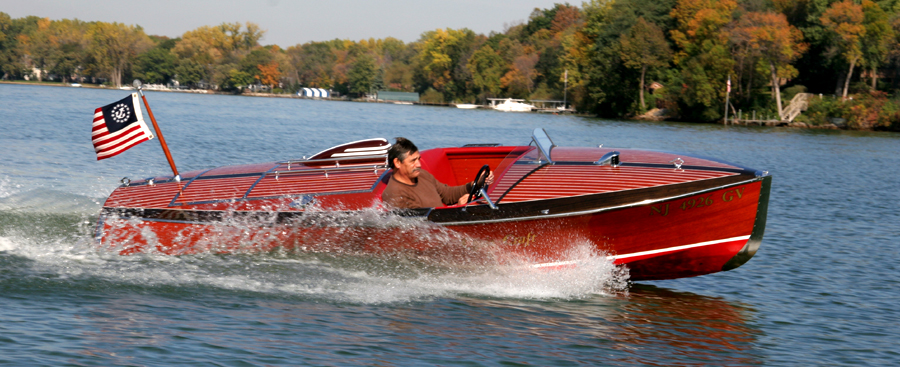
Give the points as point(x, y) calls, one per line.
point(114, 47)
point(602, 82)
point(879, 37)
point(38, 46)
point(12, 58)
point(443, 54)
point(312, 63)
point(237, 39)
point(362, 74)
point(703, 57)
point(643, 47)
point(156, 65)
point(189, 73)
point(487, 68)
point(70, 47)
point(236, 80)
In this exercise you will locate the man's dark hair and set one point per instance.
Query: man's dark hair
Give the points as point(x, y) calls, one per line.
point(402, 148)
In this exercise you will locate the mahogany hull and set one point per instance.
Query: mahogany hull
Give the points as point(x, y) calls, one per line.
point(707, 231)
point(663, 215)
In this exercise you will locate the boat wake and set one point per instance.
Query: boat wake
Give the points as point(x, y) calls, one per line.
point(331, 266)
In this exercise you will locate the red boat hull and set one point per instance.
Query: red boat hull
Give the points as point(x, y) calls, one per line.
point(664, 240)
point(659, 220)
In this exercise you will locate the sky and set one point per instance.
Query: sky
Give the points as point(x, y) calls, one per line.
point(292, 22)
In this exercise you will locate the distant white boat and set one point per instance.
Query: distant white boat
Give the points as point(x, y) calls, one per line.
point(512, 106)
point(76, 85)
point(125, 87)
point(402, 102)
point(467, 106)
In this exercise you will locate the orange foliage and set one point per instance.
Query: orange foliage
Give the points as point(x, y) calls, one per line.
point(845, 18)
point(566, 17)
point(269, 74)
point(698, 21)
point(769, 35)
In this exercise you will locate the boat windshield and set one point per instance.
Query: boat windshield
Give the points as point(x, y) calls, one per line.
point(522, 161)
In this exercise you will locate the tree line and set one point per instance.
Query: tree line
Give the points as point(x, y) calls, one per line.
point(613, 58)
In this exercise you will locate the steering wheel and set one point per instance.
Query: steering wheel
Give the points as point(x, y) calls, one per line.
point(482, 175)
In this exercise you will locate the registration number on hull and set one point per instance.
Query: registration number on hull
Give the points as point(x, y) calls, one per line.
point(697, 202)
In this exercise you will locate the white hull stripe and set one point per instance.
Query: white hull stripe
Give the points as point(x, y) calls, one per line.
point(678, 248)
point(643, 253)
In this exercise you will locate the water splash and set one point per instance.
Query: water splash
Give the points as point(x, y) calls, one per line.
point(336, 265)
point(7, 188)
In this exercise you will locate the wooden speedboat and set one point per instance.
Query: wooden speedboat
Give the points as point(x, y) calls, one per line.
point(662, 215)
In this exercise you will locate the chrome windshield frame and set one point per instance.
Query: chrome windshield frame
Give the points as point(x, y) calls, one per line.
point(543, 142)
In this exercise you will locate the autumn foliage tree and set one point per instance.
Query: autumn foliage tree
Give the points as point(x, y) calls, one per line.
point(703, 56)
point(606, 51)
point(519, 80)
point(268, 74)
point(768, 38)
point(844, 21)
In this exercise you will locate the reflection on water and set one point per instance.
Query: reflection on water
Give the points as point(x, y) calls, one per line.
point(684, 327)
point(645, 326)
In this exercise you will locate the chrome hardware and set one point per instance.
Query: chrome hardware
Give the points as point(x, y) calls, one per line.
point(487, 198)
point(177, 178)
point(324, 160)
point(545, 211)
point(543, 142)
point(276, 175)
point(600, 146)
point(490, 202)
point(125, 181)
point(762, 173)
point(150, 182)
point(609, 159)
point(677, 162)
point(344, 168)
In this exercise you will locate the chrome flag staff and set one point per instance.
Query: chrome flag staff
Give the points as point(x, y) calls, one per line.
point(120, 125)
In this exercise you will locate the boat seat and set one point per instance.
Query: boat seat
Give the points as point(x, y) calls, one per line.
point(435, 162)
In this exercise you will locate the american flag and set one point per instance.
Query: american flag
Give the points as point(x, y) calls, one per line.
point(118, 126)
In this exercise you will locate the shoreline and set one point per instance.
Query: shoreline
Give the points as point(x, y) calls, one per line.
point(642, 118)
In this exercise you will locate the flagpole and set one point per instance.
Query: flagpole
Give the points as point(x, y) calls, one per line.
point(565, 89)
point(727, 94)
point(162, 141)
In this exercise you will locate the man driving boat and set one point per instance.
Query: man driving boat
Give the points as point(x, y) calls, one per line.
point(412, 187)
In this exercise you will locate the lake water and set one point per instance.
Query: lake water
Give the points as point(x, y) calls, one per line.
point(822, 290)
